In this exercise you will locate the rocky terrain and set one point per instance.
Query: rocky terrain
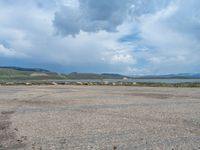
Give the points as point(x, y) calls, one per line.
point(99, 117)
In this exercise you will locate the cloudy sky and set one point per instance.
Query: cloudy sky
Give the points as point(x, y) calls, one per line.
point(114, 36)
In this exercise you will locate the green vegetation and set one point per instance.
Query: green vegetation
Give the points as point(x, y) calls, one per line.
point(90, 76)
point(14, 73)
point(8, 74)
point(23, 76)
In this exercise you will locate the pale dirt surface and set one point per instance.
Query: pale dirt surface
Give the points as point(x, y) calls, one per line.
point(99, 117)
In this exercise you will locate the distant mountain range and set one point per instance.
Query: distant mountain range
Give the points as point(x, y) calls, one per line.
point(18, 73)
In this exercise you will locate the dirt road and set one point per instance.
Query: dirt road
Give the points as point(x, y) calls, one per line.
point(99, 117)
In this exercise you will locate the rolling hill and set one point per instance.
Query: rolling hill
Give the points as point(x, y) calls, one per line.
point(76, 75)
point(16, 73)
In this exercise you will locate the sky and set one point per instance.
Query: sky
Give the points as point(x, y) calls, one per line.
point(132, 37)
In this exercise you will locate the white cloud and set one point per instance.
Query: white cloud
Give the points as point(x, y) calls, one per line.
point(170, 46)
point(163, 35)
point(120, 58)
point(11, 52)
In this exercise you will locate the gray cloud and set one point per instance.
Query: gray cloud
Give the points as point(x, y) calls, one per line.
point(91, 16)
point(67, 21)
point(187, 18)
point(161, 36)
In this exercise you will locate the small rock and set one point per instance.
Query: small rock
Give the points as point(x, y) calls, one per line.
point(114, 147)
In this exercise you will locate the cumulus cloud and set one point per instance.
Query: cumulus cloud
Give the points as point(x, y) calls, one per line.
point(129, 36)
point(173, 32)
point(91, 16)
point(7, 52)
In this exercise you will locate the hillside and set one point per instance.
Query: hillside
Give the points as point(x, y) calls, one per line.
point(76, 75)
point(15, 73)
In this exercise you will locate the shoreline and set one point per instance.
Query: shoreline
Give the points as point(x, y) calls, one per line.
point(127, 84)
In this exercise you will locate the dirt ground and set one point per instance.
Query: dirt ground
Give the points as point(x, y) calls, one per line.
point(99, 118)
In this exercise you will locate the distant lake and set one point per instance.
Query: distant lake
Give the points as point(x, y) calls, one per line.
point(141, 80)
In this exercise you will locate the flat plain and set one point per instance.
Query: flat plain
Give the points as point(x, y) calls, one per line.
point(99, 117)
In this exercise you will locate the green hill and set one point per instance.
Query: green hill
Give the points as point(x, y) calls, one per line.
point(76, 75)
point(14, 73)
point(18, 74)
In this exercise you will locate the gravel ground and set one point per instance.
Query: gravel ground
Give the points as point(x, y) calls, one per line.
point(99, 117)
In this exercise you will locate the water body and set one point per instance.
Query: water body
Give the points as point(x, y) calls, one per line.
point(141, 80)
